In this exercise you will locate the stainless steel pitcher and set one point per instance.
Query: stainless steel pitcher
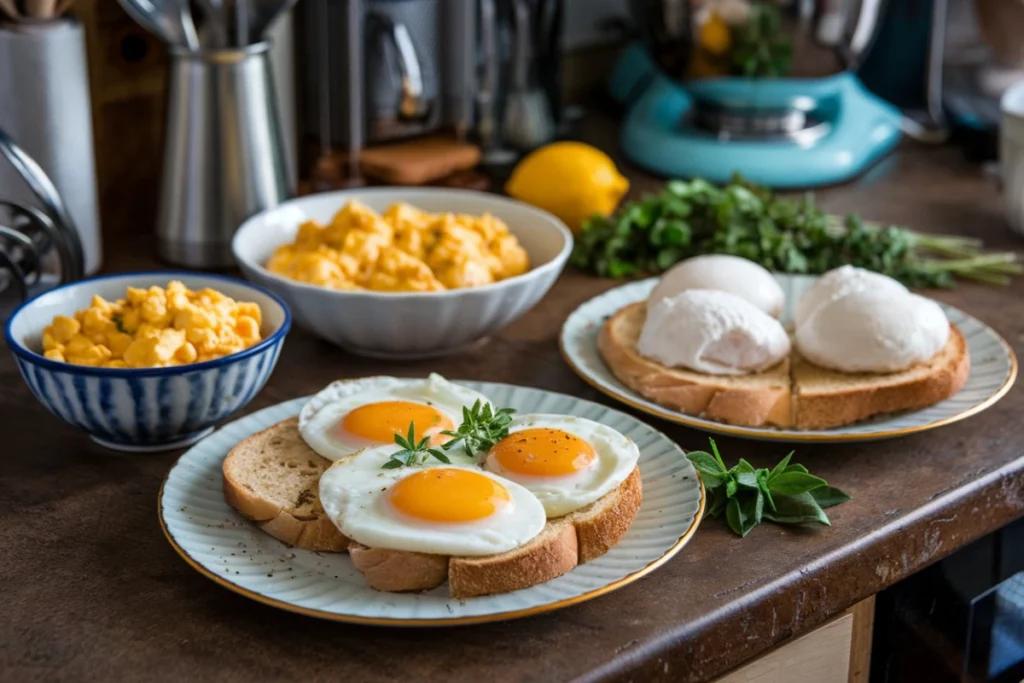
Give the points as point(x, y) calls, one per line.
point(224, 157)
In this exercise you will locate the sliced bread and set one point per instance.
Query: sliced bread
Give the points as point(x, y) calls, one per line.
point(828, 398)
point(272, 478)
point(755, 400)
point(563, 543)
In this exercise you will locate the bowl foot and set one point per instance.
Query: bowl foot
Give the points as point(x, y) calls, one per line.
point(153, 448)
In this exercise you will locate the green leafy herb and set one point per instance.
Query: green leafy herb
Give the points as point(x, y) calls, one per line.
point(785, 494)
point(118, 320)
point(763, 48)
point(690, 218)
point(413, 452)
point(481, 428)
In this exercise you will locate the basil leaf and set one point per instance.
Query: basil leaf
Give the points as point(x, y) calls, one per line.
point(755, 510)
point(801, 509)
point(796, 468)
point(743, 466)
point(735, 517)
point(781, 467)
point(714, 449)
point(747, 480)
point(829, 496)
point(730, 487)
point(795, 483)
point(718, 501)
point(762, 484)
point(705, 463)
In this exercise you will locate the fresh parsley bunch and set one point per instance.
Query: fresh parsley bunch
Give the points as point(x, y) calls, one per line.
point(413, 452)
point(786, 494)
point(693, 217)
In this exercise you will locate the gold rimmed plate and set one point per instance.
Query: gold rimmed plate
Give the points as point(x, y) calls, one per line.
point(224, 547)
point(993, 371)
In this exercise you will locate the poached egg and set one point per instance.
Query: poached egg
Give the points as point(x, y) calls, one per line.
point(723, 273)
point(713, 332)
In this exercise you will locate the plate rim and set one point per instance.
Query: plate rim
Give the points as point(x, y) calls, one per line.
point(777, 435)
point(433, 621)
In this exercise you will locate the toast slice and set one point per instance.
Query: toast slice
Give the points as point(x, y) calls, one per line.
point(755, 400)
point(272, 478)
point(827, 398)
point(563, 543)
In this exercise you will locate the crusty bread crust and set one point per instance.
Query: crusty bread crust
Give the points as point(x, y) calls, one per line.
point(387, 570)
point(912, 389)
point(546, 556)
point(564, 542)
point(749, 400)
point(303, 524)
point(600, 525)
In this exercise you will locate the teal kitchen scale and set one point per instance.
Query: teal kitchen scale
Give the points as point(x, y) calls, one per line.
point(784, 132)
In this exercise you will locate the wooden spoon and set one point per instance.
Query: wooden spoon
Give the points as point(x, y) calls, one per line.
point(10, 9)
point(40, 9)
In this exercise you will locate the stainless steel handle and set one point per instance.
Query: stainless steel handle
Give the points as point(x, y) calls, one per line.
point(413, 104)
point(521, 55)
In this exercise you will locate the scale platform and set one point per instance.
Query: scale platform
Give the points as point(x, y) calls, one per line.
point(784, 133)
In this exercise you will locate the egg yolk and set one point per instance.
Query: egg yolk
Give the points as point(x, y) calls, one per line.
point(543, 452)
point(381, 421)
point(444, 494)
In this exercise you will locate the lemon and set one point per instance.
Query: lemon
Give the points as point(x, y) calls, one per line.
point(572, 180)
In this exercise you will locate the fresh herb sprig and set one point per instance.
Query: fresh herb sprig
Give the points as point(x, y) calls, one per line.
point(413, 452)
point(763, 47)
point(785, 494)
point(481, 428)
point(690, 218)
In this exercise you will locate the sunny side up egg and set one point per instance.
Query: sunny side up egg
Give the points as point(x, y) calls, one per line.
point(441, 510)
point(350, 415)
point(566, 462)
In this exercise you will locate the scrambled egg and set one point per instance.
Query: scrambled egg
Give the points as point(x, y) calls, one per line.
point(405, 250)
point(152, 328)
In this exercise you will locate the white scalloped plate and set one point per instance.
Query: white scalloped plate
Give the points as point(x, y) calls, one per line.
point(221, 545)
point(993, 370)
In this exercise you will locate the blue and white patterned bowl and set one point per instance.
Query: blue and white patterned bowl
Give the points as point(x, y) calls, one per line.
point(144, 409)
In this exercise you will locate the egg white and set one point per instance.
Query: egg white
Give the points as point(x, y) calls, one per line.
point(354, 493)
point(319, 417)
point(616, 456)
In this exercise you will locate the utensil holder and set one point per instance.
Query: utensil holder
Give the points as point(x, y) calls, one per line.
point(44, 106)
point(224, 157)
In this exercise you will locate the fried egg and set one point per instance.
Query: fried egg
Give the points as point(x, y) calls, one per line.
point(566, 462)
point(350, 415)
point(437, 509)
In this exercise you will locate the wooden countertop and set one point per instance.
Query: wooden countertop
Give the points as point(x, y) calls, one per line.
point(92, 591)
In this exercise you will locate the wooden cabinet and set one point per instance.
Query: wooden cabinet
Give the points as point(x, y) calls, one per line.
point(837, 652)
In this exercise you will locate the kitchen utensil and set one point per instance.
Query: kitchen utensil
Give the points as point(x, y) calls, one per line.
point(188, 27)
point(548, 16)
point(992, 374)
point(118, 407)
point(10, 9)
point(418, 161)
point(224, 155)
point(379, 323)
point(770, 96)
point(528, 122)
point(162, 18)
point(192, 512)
point(46, 110)
point(263, 13)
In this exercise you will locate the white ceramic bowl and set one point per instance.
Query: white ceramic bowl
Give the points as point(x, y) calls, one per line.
point(144, 409)
point(416, 324)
